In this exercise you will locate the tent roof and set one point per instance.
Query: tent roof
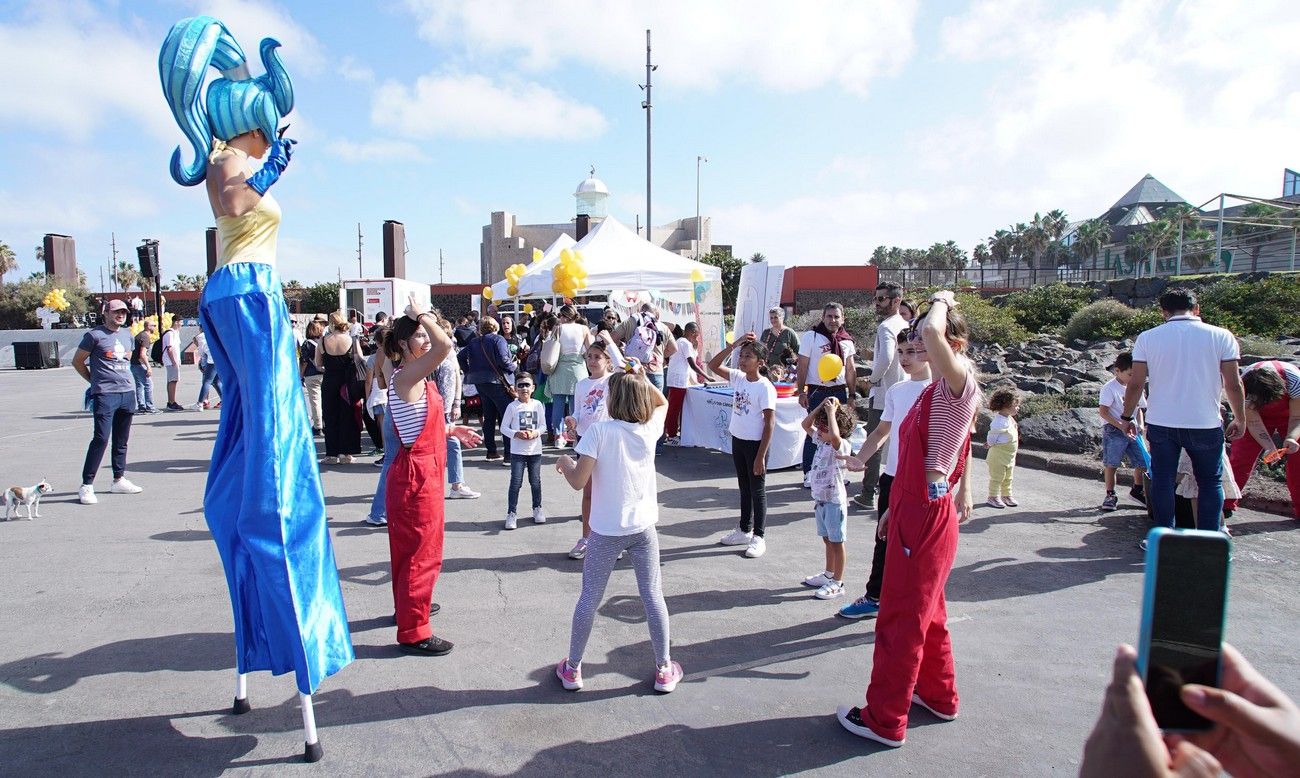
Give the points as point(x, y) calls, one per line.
point(615, 258)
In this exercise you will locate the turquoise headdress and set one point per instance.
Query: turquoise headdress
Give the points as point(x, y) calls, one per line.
point(235, 103)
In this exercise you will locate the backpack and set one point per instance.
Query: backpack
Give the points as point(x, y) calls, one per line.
point(641, 345)
point(155, 353)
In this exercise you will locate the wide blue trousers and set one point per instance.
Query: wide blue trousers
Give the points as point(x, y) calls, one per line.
point(263, 502)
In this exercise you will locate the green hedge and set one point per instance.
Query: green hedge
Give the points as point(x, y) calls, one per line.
point(1110, 320)
point(1267, 308)
point(1046, 308)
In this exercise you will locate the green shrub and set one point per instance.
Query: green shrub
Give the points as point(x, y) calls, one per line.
point(1046, 308)
point(1032, 405)
point(1262, 347)
point(1268, 308)
point(989, 323)
point(860, 322)
point(1110, 320)
point(19, 302)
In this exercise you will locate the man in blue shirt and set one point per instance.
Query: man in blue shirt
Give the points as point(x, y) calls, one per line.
point(104, 360)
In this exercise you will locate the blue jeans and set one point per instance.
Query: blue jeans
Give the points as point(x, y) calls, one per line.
point(561, 406)
point(113, 412)
point(210, 380)
point(1205, 449)
point(816, 395)
point(455, 468)
point(517, 464)
point(656, 380)
point(143, 387)
point(392, 444)
point(494, 401)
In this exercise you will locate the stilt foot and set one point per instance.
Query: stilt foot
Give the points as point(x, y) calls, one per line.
point(312, 752)
point(241, 706)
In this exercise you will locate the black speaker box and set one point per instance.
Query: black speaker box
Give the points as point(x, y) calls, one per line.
point(147, 253)
point(35, 355)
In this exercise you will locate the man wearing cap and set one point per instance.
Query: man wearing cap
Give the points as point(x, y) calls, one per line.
point(104, 359)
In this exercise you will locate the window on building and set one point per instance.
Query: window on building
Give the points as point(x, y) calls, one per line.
point(1290, 183)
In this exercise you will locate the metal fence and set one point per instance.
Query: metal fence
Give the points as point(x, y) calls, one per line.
point(1272, 251)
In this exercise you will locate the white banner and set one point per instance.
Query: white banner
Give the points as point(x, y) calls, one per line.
point(760, 291)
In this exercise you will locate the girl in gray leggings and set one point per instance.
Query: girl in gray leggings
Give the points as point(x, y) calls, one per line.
point(617, 457)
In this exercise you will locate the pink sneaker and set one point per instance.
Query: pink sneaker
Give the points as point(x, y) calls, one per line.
point(666, 677)
point(571, 677)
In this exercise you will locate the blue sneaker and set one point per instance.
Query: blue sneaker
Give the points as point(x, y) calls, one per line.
point(860, 608)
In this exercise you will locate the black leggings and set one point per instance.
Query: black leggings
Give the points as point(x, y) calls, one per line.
point(753, 488)
point(877, 577)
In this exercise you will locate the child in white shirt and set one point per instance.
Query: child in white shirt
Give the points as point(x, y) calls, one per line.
point(589, 401)
point(1003, 442)
point(617, 456)
point(523, 422)
point(827, 424)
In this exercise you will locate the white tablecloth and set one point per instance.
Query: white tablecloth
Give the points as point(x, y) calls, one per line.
point(706, 414)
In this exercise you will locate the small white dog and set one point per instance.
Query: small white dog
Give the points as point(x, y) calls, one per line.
point(16, 496)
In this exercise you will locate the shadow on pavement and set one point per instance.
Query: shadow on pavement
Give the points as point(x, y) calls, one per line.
point(183, 535)
point(186, 653)
point(171, 466)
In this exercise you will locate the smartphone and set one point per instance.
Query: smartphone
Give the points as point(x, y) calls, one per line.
point(1183, 610)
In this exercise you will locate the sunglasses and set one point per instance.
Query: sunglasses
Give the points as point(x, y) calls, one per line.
point(529, 387)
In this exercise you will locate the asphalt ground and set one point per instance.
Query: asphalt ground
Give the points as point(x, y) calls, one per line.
point(116, 647)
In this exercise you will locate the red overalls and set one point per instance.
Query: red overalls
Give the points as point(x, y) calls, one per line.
point(1245, 450)
point(913, 652)
point(414, 502)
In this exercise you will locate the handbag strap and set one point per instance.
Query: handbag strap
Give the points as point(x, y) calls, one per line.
point(492, 363)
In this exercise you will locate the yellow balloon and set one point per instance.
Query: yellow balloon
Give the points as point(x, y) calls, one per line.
point(829, 367)
point(487, 293)
point(528, 307)
point(566, 256)
point(512, 290)
point(556, 286)
point(537, 255)
point(731, 337)
point(696, 276)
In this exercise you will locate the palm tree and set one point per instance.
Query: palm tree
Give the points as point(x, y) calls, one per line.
point(1089, 239)
point(1002, 246)
point(1055, 223)
point(127, 276)
point(8, 261)
point(758, 256)
point(980, 255)
point(1034, 238)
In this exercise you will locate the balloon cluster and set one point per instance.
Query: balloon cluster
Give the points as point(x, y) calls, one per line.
point(513, 274)
point(569, 275)
point(55, 300)
point(138, 325)
point(537, 256)
point(487, 293)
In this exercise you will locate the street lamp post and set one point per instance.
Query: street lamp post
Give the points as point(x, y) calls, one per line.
point(699, 228)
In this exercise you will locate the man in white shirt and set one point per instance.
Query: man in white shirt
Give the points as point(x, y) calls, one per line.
point(137, 308)
point(1189, 364)
point(828, 337)
point(885, 372)
point(171, 359)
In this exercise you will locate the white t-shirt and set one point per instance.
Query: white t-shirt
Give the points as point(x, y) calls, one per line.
point(814, 346)
point(523, 416)
point(679, 370)
point(749, 400)
point(589, 398)
point(828, 473)
point(170, 340)
point(1183, 357)
point(885, 368)
point(201, 352)
point(899, 399)
point(624, 496)
point(572, 336)
point(1112, 397)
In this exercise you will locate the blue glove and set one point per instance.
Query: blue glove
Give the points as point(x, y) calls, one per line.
point(276, 161)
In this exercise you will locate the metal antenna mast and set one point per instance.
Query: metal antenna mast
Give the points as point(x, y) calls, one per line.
point(359, 273)
point(646, 104)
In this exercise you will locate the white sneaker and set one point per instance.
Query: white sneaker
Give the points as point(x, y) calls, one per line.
point(86, 495)
point(757, 547)
point(538, 516)
point(830, 590)
point(807, 480)
point(346, 459)
point(512, 521)
point(579, 549)
point(463, 492)
point(916, 700)
point(736, 537)
point(818, 581)
point(672, 441)
point(123, 486)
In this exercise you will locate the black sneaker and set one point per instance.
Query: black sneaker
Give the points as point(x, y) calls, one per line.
point(431, 646)
point(175, 407)
point(851, 719)
point(1110, 503)
point(1137, 493)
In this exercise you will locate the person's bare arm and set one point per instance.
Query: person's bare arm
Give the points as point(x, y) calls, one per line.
point(715, 364)
point(576, 472)
point(79, 364)
point(769, 426)
point(943, 359)
point(410, 381)
point(235, 195)
point(801, 379)
point(1137, 382)
point(1236, 398)
point(1109, 417)
point(833, 426)
point(670, 345)
point(1292, 441)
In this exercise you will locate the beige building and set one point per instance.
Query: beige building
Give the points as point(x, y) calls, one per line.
point(506, 242)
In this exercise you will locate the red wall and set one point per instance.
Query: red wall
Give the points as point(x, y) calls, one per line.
point(827, 277)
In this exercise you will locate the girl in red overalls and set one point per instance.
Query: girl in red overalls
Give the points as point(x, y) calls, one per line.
point(1272, 408)
point(913, 661)
point(414, 498)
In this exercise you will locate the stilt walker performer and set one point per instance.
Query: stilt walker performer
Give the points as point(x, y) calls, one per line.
point(263, 502)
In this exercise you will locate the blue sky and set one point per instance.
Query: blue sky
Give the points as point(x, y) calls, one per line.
point(830, 127)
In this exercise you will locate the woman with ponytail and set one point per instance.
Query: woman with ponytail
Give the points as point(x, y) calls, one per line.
point(263, 501)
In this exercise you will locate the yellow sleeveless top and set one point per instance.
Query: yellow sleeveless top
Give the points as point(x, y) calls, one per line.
point(251, 237)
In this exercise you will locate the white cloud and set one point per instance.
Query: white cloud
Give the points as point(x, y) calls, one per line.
point(351, 70)
point(250, 22)
point(772, 43)
point(375, 150)
point(476, 107)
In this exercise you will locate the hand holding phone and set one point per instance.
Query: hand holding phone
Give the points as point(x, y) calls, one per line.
point(1183, 610)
